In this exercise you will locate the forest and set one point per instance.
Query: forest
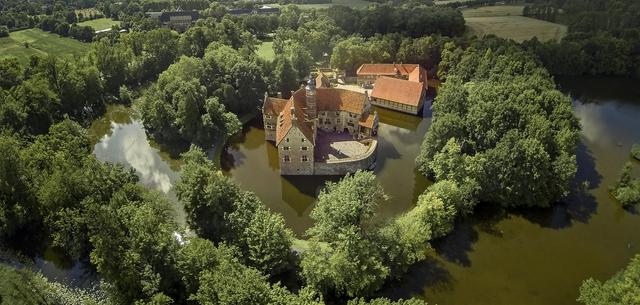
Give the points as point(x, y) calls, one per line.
point(501, 134)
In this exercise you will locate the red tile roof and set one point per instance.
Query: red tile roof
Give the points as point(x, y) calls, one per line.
point(368, 120)
point(386, 69)
point(274, 105)
point(398, 90)
point(330, 99)
point(327, 99)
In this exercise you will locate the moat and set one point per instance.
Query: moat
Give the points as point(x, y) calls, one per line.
point(495, 257)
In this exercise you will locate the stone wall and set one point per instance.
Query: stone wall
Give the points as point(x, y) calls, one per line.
point(349, 165)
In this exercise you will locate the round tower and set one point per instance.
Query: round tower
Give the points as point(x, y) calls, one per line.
point(310, 89)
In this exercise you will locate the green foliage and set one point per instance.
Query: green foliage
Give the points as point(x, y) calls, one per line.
point(177, 106)
point(217, 210)
point(385, 301)
point(351, 203)
point(24, 287)
point(352, 265)
point(500, 128)
point(635, 151)
point(622, 288)
point(133, 245)
point(352, 254)
point(627, 189)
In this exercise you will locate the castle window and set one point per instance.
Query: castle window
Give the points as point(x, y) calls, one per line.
point(302, 140)
point(286, 159)
point(304, 148)
point(286, 140)
point(268, 116)
point(304, 159)
point(337, 120)
point(285, 148)
point(350, 124)
point(337, 113)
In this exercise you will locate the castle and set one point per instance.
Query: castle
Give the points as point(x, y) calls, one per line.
point(301, 125)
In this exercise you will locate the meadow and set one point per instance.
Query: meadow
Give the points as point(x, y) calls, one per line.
point(100, 23)
point(265, 50)
point(350, 3)
point(506, 21)
point(39, 43)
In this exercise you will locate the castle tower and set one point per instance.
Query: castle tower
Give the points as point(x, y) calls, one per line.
point(310, 89)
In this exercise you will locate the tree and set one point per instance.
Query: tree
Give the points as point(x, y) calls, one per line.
point(10, 72)
point(351, 203)
point(493, 132)
point(207, 195)
point(350, 265)
point(285, 79)
point(635, 151)
point(133, 246)
point(622, 288)
point(627, 189)
point(219, 211)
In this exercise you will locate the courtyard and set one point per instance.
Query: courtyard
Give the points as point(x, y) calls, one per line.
point(331, 146)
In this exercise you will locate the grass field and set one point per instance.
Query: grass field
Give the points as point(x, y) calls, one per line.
point(441, 2)
point(265, 50)
point(506, 21)
point(351, 3)
point(100, 23)
point(40, 43)
point(494, 11)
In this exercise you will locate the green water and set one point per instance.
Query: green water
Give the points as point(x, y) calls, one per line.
point(537, 256)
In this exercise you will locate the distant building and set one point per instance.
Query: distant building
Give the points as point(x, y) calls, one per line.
point(176, 20)
point(263, 10)
point(400, 87)
point(294, 123)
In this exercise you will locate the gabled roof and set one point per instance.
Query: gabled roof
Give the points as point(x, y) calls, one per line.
point(332, 99)
point(298, 118)
point(386, 69)
point(273, 105)
point(398, 90)
point(368, 120)
point(322, 81)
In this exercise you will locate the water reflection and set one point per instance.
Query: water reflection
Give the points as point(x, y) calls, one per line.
point(253, 163)
point(121, 138)
point(541, 256)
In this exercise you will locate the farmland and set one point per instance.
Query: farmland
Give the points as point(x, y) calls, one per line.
point(39, 43)
point(350, 3)
point(100, 23)
point(506, 21)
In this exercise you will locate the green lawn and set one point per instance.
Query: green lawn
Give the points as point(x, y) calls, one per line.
point(100, 23)
point(40, 43)
point(265, 50)
point(351, 3)
point(506, 21)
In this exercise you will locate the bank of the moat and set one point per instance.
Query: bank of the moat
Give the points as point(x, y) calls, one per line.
point(495, 257)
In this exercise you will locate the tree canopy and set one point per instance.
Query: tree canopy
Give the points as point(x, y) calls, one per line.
point(499, 125)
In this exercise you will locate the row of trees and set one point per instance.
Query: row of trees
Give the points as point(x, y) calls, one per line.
point(622, 288)
point(500, 127)
point(350, 53)
point(603, 39)
point(353, 253)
